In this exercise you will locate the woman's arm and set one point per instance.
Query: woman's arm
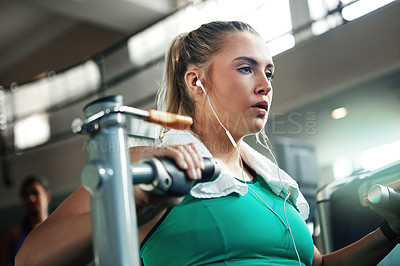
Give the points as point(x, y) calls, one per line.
point(369, 250)
point(65, 238)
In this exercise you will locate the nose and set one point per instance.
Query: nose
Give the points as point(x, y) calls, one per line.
point(264, 85)
point(32, 198)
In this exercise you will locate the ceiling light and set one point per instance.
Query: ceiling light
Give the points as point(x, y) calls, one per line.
point(339, 113)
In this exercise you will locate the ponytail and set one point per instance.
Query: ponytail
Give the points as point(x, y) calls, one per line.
point(175, 98)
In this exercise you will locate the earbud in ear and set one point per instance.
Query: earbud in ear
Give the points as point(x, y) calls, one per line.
point(198, 83)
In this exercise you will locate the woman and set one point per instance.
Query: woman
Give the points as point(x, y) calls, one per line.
point(253, 213)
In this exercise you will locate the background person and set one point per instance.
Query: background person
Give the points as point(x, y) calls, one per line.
point(36, 196)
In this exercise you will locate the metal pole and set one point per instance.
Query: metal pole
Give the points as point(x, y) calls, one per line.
point(108, 178)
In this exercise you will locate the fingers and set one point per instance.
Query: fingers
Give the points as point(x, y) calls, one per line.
point(196, 160)
point(391, 216)
point(186, 157)
point(395, 185)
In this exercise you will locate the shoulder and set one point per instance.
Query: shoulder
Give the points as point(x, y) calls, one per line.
point(11, 233)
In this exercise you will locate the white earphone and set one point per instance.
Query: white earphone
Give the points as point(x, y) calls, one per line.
point(198, 83)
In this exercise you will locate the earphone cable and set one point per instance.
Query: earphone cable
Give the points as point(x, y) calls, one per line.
point(247, 185)
point(290, 230)
point(287, 226)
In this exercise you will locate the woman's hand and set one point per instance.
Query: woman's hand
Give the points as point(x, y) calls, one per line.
point(392, 217)
point(185, 156)
point(150, 205)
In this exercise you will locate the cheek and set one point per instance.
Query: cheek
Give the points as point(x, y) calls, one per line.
point(236, 91)
point(230, 94)
point(43, 198)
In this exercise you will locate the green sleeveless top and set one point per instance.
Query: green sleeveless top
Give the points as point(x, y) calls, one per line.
point(230, 230)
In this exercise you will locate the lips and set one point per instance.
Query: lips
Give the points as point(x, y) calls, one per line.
point(261, 105)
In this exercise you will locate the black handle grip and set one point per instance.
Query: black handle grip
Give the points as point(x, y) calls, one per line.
point(163, 176)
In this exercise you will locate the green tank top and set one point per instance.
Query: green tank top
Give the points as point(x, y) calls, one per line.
point(230, 230)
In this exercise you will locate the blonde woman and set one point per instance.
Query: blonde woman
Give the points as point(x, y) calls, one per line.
point(252, 214)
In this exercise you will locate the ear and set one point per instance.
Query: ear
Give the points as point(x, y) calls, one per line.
point(191, 76)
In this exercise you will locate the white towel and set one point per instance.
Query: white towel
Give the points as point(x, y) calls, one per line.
point(226, 184)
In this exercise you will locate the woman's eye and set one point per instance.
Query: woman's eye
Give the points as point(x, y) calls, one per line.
point(269, 75)
point(245, 70)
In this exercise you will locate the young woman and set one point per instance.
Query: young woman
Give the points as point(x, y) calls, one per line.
point(252, 214)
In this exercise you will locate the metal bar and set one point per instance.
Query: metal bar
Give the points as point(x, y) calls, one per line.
point(108, 178)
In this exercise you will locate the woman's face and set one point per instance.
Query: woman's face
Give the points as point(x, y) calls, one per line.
point(240, 84)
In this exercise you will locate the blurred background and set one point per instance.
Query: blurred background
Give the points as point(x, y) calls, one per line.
point(336, 107)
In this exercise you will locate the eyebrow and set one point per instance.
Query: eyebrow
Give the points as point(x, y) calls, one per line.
point(252, 61)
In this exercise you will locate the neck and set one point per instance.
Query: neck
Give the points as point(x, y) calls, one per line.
point(36, 218)
point(218, 143)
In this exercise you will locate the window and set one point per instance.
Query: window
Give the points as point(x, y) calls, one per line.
point(31, 101)
point(32, 131)
point(319, 13)
point(375, 158)
point(319, 10)
point(271, 19)
point(361, 8)
point(56, 89)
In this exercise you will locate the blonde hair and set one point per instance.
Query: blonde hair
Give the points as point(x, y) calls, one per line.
point(196, 48)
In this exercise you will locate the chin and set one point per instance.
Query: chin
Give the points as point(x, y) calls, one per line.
point(258, 126)
point(253, 131)
point(253, 126)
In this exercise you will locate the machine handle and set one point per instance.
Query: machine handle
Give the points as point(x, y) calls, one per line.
point(170, 120)
point(163, 176)
point(384, 197)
